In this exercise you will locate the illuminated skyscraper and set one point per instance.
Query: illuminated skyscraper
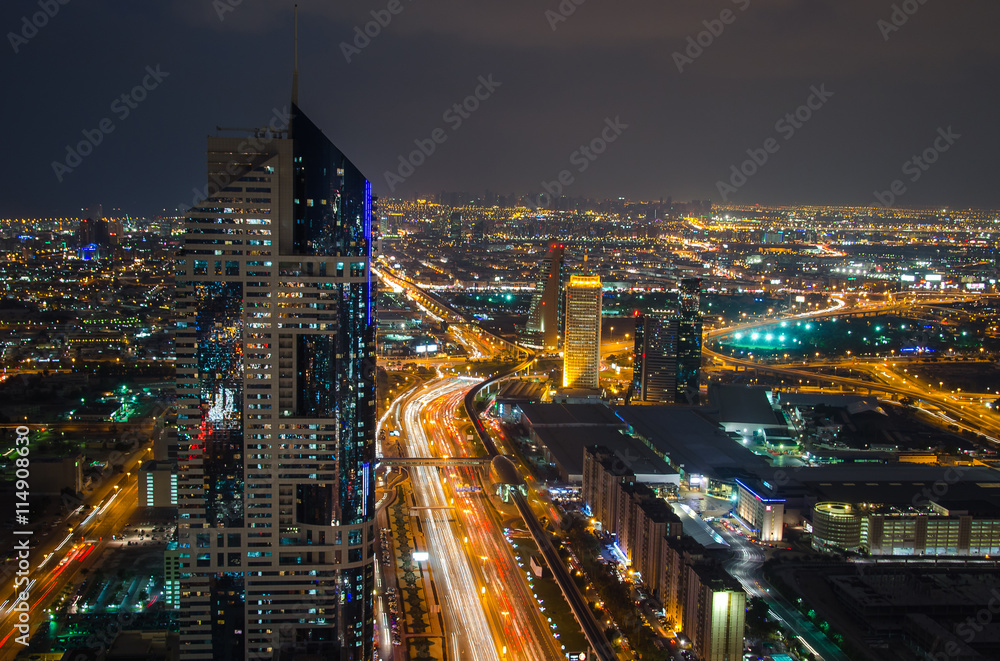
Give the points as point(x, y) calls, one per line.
point(582, 344)
point(276, 403)
point(543, 329)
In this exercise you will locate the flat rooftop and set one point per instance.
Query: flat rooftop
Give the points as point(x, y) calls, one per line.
point(744, 405)
point(695, 528)
point(568, 415)
point(566, 446)
point(692, 442)
point(972, 488)
point(521, 391)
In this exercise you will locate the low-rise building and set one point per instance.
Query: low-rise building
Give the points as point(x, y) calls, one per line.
point(158, 484)
point(759, 510)
point(51, 475)
point(956, 528)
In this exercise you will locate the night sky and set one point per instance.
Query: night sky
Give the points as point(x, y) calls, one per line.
point(564, 79)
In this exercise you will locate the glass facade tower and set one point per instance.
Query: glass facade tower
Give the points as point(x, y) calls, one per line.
point(543, 330)
point(656, 358)
point(276, 403)
point(667, 361)
point(689, 342)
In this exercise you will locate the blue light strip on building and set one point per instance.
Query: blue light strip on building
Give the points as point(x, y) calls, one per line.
point(368, 240)
point(758, 496)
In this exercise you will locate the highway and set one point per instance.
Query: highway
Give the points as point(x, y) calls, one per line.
point(966, 415)
point(56, 564)
point(449, 564)
point(969, 417)
point(488, 608)
point(525, 632)
point(440, 311)
point(578, 604)
point(588, 622)
point(60, 555)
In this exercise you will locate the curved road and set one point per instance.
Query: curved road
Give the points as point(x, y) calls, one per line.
point(745, 567)
point(489, 610)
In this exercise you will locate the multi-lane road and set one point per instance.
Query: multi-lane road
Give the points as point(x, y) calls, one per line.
point(968, 416)
point(489, 345)
point(60, 555)
point(488, 608)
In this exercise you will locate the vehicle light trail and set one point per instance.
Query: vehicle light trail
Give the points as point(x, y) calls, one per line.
point(448, 561)
point(493, 607)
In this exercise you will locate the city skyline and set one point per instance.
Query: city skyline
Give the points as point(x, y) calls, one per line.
point(572, 330)
point(825, 339)
point(736, 95)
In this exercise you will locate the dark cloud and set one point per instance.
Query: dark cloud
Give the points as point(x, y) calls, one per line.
point(607, 59)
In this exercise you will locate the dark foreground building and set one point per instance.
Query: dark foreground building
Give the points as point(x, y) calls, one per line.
point(276, 403)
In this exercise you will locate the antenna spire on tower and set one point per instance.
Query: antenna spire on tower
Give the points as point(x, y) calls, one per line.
point(295, 70)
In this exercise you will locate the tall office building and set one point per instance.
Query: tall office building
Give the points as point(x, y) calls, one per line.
point(543, 329)
point(667, 360)
point(582, 344)
point(654, 373)
point(456, 229)
point(94, 230)
point(689, 342)
point(276, 403)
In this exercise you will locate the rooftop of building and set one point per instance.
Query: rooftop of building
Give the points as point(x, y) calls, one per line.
point(518, 391)
point(658, 510)
point(566, 444)
point(817, 399)
point(686, 544)
point(691, 441)
point(979, 509)
point(741, 405)
point(158, 465)
point(763, 490)
point(638, 459)
point(899, 482)
point(925, 628)
point(611, 462)
point(696, 529)
point(568, 415)
point(919, 589)
point(716, 578)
